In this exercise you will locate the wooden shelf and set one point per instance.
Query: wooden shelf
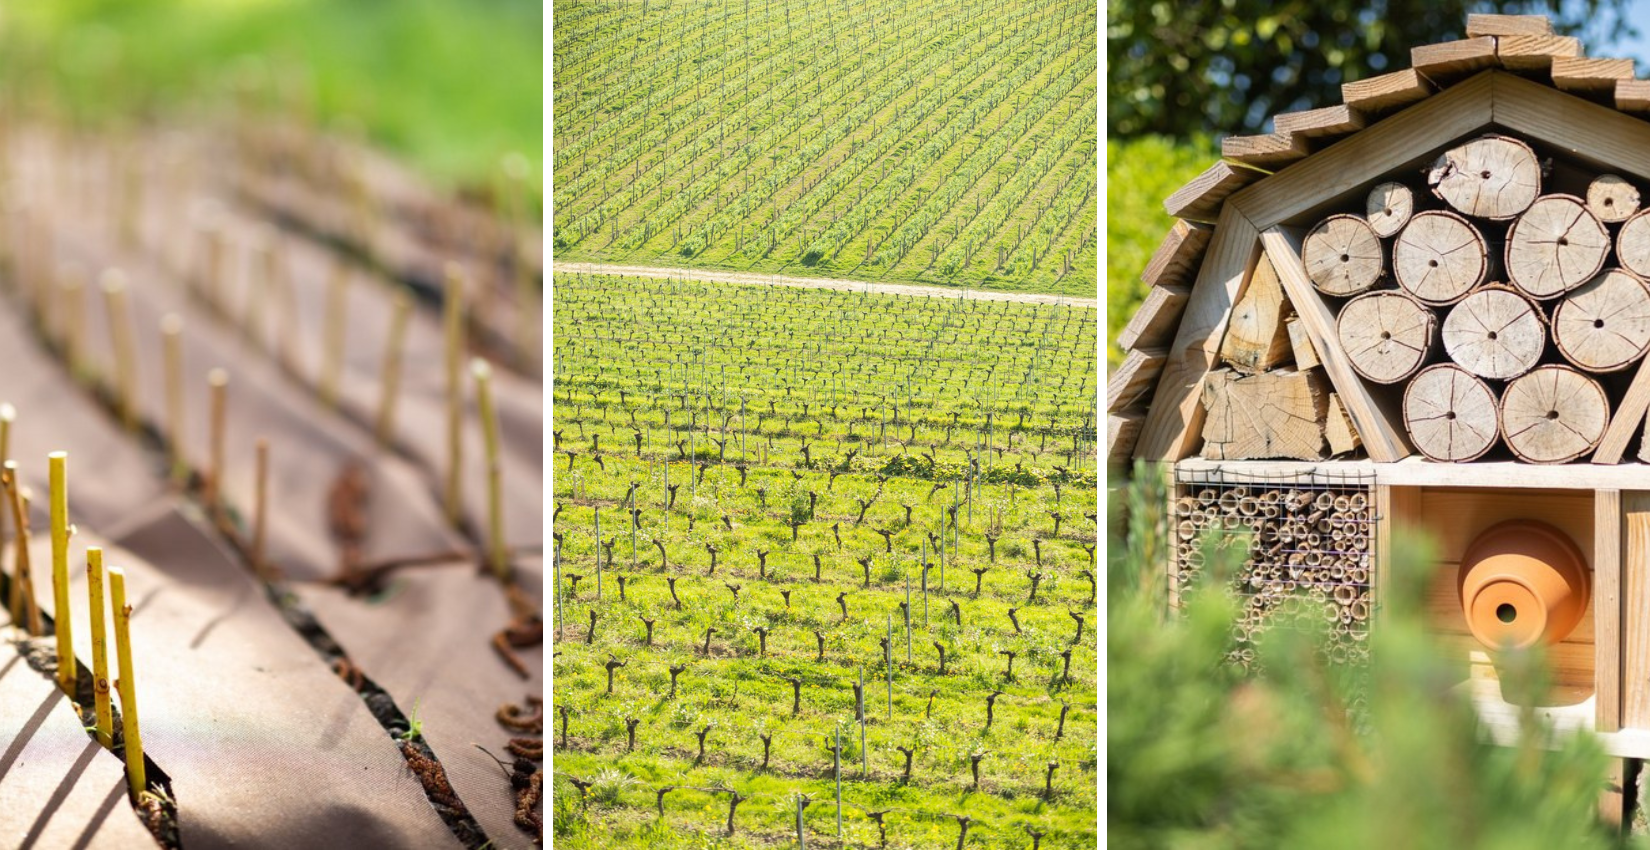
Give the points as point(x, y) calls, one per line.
point(1419, 472)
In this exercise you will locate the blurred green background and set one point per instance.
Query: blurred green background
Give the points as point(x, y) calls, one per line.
point(449, 85)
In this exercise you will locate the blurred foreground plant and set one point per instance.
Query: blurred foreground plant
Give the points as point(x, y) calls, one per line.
point(1201, 753)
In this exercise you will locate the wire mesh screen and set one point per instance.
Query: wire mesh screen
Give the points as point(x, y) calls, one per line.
point(1310, 543)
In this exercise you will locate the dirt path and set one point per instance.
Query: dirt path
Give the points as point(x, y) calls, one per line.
point(825, 283)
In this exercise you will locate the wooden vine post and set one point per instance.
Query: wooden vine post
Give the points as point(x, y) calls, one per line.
point(100, 646)
point(127, 683)
point(483, 373)
point(453, 326)
point(66, 671)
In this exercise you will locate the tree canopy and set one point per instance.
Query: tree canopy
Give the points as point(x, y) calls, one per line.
point(1225, 66)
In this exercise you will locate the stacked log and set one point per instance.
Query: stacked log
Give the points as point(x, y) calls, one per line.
point(1309, 552)
point(1503, 304)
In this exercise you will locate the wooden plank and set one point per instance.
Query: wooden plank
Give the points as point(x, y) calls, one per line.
point(1607, 607)
point(1397, 510)
point(1270, 151)
point(1579, 75)
point(1535, 52)
point(1453, 60)
point(1329, 121)
point(1382, 437)
point(1417, 471)
point(1176, 259)
point(1121, 431)
point(1478, 24)
point(1633, 95)
point(1338, 429)
point(1175, 420)
point(1348, 166)
point(1635, 679)
point(1306, 356)
point(1614, 803)
point(1629, 414)
point(1200, 200)
point(1386, 91)
point(1134, 378)
point(1608, 139)
point(1153, 325)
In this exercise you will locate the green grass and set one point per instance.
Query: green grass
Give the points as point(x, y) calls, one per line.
point(948, 143)
point(452, 85)
point(869, 384)
point(1140, 173)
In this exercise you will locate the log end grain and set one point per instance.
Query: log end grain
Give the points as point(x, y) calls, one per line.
point(1611, 198)
point(1604, 326)
point(1386, 335)
point(1554, 414)
point(1555, 246)
point(1388, 208)
point(1275, 415)
point(1495, 333)
point(1633, 244)
point(1450, 414)
point(1439, 257)
point(1493, 177)
point(1343, 256)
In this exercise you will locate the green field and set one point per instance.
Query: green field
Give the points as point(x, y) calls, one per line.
point(949, 142)
point(820, 444)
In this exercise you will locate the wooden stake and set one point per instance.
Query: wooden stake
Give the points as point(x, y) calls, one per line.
point(24, 609)
point(73, 319)
point(100, 646)
point(171, 337)
point(57, 463)
point(8, 415)
point(332, 358)
point(217, 381)
point(120, 334)
point(259, 503)
point(453, 324)
point(495, 488)
point(127, 683)
point(391, 380)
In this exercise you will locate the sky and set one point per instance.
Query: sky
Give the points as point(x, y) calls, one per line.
point(1637, 47)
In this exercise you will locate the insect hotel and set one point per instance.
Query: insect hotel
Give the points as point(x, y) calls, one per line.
point(1426, 308)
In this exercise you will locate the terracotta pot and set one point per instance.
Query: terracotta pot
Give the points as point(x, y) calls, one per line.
point(1523, 581)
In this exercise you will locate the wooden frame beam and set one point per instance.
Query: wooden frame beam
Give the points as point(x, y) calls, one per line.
point(1607, 580)
point(1384, 441)
point(1635, 551)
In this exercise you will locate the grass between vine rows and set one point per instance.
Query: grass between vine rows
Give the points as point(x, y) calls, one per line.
point(628, 353)
point(948, 143)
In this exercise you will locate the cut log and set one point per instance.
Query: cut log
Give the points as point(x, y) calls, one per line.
point(1343, 255)
point(1387, 335)
point(1389, 207)
point(1256, 339)
point(1306, 357)
point(1439, 257)
point(1553, 415)
point(1338, 428)
point(1611, 198)
point(1493, 177)
point(1495, 333)
point(1275, 415)
point(1633, 244)
point(1604, 326)
point(1555, 247)
point(1450, 414)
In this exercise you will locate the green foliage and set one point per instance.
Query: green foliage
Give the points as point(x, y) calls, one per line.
point(1179, 69)
point(1202, 755)
point(1140, 173)
point(451, 84)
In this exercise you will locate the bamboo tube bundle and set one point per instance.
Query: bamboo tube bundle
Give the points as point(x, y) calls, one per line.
point(1323, 501)
point(1388, 208)
point(1556, 246)
point(1450, 414)
point(1342, 503)
point(1271, 497)
point(1439, 257)
point(1357, 502)
point(1186, 529)
point(1604, 326)
point(1495, 333)
point(1386, 335)
point(1611, 198)
point(1185, 506)
point(1633, 244)
point(1553, 415)
point(1492, 176)
point(1343, 255)
point(1207, 497)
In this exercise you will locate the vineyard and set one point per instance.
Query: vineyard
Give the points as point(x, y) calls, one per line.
point(949, 143)
point(807, 540)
